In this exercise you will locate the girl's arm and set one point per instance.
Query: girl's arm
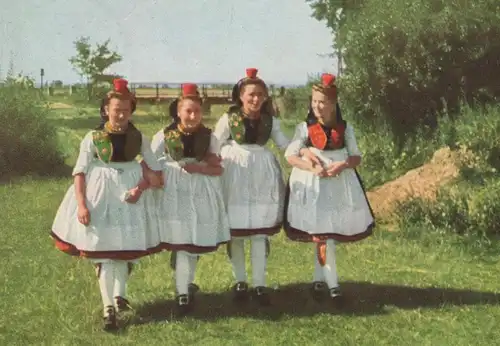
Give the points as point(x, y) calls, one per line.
point(354, 159)
point(222, 131)
point(153, 156)
point(211, 170)
point(297, 162)
point(150, 177)
point(296, 148)
point(80, 190)
point(83, 213)
point(283, 142)
point(212, 159)
point(85, 157)
point(211, 164)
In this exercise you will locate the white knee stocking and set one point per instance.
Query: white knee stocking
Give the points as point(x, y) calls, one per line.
point(193, 262)
point(330, 267)
point(259, 261)
point(185, 265)
point(238, 259)
point(121, 277)
point(106, 282)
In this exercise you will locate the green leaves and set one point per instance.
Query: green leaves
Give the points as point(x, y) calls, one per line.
point(92, 63)
point(407, 61)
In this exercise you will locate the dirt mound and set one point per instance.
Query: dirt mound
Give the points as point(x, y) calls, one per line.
point(421, 182)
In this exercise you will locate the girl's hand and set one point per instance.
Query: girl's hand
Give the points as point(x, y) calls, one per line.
point(335, 168)
point(318, 170)
point(308, 154)
point(211, 170)
point(213, 159)
point(192, 168)
point(83, 215)
point(134, 195)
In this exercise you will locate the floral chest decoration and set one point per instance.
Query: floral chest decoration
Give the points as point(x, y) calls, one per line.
point(173, 144)
point(103, 145)
point(238, 129)
point(319, 139)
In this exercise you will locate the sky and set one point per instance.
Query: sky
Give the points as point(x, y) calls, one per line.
point(168, 41)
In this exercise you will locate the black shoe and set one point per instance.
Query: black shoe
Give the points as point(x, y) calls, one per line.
point(240, 291)
point(122, 304)
point(184, 304)
point(336, 297)
point(262, 296)
point(109, 320)
point(318, 290)
point(192, 290)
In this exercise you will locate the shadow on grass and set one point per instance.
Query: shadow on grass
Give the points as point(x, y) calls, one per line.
point(361, 299)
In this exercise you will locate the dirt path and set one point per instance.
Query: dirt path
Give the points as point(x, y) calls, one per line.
point(59, 105)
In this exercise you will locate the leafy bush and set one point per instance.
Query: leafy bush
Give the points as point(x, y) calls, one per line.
point(296, 102)
point(28, 142)
point(458, 209)
point(470, 205)
point(410, 60)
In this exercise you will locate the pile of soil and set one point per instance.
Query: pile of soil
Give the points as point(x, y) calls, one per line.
point(423, 182)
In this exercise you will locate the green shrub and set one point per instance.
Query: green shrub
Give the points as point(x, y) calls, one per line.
point(458, 209)
point(28, 142)
point(296, 102)
point(470, 205)
point(410, 60)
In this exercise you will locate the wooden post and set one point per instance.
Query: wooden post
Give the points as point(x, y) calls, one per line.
point(42, 73)
point(157, 91)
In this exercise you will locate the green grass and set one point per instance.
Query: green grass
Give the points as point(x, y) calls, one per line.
point(431, 289)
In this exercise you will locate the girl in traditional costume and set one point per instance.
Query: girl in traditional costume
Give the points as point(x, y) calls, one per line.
point(253, 184)
point(327, 202)
point(95, 220)
point(148, 175)
point(193, 217)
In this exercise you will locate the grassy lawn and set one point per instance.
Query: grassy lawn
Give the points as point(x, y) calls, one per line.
point(424, 290)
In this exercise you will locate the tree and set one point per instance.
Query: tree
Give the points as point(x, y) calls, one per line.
point(409, 61)
point(335, 13)
point(21, 81)
point(91, 63)
point(10, 71)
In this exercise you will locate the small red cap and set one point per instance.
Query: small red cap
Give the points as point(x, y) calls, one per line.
point(327, 79)
point(252, 72)
point(120, 85)
point(189, 90)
